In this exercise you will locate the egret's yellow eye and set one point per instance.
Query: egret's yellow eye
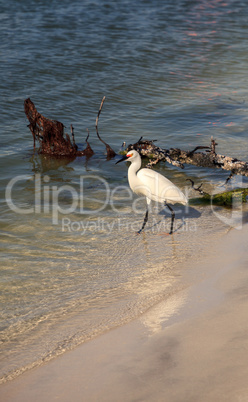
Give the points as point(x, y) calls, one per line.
point(129, 155)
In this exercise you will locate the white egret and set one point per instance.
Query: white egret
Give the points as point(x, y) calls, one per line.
point(152, 185)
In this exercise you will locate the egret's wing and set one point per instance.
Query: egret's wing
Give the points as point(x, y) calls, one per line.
point(159, 188)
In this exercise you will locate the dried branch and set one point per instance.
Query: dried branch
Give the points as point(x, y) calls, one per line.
point(199, 188)
point(178, 157)
point(97, 118)
point(229, 178)
point(72, 134)
point(147, 148)
point(196, 149)
point(110, 152)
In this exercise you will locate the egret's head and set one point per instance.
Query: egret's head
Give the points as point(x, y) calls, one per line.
point(130, 156)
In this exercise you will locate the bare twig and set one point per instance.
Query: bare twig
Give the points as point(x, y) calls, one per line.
point(72, 134)
point(86, 139)
point(110, 152)
point(229, 178)
point(97, 118)
point(196, 149)
point(213, 145)
point(199, 188)
point(88, 150)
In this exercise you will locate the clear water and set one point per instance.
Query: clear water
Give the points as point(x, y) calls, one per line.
point(171, 71)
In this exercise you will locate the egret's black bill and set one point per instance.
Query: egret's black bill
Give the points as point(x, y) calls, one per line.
point(124, 158)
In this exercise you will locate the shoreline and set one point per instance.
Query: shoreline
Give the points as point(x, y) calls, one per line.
point(192, 346)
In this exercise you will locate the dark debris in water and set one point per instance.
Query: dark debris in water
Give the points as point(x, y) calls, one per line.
point(52, 140)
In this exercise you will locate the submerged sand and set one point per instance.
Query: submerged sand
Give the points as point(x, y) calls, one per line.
point(192, 347)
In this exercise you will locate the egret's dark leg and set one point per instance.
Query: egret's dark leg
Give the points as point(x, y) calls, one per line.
point(172, 217)
point(144, 223)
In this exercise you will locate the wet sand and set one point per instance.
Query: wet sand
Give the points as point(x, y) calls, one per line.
point(191, 347)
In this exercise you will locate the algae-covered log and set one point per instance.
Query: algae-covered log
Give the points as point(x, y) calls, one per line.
point(226, 199)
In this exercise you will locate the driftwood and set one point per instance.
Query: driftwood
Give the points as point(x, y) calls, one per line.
point(178, 157)
point(209, 158)
point(110, 152)
point(50, 135)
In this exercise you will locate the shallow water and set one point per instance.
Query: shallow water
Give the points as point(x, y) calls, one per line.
point(171, 72)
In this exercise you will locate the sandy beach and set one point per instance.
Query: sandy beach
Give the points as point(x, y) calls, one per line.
point(192, 347)
point(91, 311)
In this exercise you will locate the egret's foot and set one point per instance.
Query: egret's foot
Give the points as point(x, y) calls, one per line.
point(163, 234)
point(166, 234)
point(140, 231)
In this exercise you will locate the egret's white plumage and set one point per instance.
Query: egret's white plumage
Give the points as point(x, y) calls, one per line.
point(152, 185)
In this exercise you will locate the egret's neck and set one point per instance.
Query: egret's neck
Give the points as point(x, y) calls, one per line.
point(132, 172)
